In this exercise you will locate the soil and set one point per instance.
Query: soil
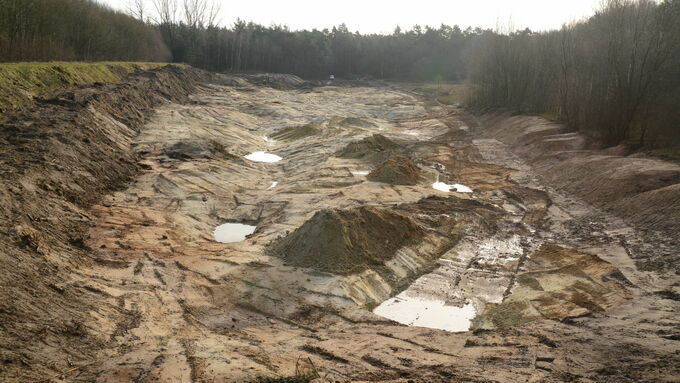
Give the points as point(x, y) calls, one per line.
point(348, 241)
point(295, 132)
point(644, 191)
point(375, 148)
point(397, 170)
point(110, 273)
point(558, 283)
point(60, 156)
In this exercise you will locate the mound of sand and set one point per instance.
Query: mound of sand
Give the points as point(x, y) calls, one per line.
point(374, 148)
point(347, 241)
point(276, 80)
point(197, 149)
point(397, 170)
point(356, 122)
point(292, 133)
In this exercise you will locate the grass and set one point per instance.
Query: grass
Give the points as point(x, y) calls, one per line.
point(20, 82)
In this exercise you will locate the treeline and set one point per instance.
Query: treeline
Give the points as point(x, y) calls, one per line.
point(74, 30)
point(418, 54)
point(615, 76)
point(189, 30)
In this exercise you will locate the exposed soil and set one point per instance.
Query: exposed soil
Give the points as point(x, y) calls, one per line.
point(397, 170)
point(295, 132)
point(348, 241)
point(374, 148)
point(110, 272)
point(644, 191)
point(58, 157)
point(558, 283)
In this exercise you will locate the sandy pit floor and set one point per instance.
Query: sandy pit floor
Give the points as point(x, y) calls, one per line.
point(531, 284)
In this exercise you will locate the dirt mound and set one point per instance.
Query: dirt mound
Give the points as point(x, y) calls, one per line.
point(374, 148)
point(56, 159)
point(188, 150)
point(397, 170)
point(277, 80)
point(559, 283)
point(347, 241)
point(292, 133)
point(354, 121)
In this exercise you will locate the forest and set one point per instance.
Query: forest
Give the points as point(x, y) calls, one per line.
point(615, 75)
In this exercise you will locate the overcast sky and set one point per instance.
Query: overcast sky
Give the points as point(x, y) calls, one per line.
point(381, 16)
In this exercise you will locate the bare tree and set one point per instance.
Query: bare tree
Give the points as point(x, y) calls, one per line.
point(137, 9)
point(166, 11)
point(200, 13)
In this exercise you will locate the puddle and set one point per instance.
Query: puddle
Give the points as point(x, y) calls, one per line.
point(232, 232)
point(454, 187)
point(431, 313)
point(412, 133)
point(263, 157)
point(361, 172)
point(273, 185)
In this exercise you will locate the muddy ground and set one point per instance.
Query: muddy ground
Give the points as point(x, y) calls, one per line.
point(113, 274)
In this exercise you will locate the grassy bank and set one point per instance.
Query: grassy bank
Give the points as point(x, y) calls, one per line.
point(20, 82)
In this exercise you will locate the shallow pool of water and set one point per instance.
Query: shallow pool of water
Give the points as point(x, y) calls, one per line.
point(448, 188)
point(361, 172)
point(263, 157)
point(423, 312)
point(232, 232)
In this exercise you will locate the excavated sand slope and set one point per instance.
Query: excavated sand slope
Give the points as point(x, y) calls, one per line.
point(133, 287)
point(644, 191)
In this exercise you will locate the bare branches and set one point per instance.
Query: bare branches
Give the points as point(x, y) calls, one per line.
point(137, 9)
point(200, 13)
point(166, 11)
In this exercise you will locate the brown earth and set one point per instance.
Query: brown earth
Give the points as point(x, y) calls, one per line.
point(58, 157)
point(374, 148)
point(111, 274)
point(644, 191)
point(348, 241)
point(558, 283)
point(296, 132)
point(397, 170)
